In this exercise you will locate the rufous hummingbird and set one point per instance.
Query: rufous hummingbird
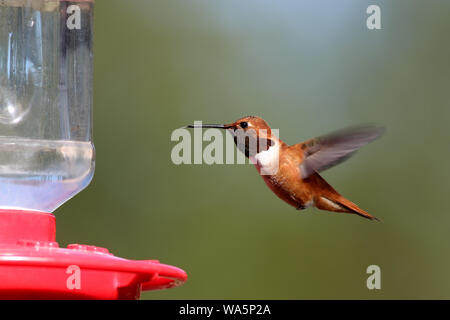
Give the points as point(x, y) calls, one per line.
point(296, 178)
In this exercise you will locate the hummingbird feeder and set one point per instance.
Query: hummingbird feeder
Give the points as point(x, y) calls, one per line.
point(47, 156)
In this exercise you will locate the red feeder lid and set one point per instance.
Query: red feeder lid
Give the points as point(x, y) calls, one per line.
point(32, 266)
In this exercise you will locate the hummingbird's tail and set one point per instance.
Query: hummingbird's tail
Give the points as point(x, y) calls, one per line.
point(337, 203)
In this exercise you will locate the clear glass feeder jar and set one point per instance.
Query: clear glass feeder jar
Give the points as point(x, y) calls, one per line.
point(46, 150)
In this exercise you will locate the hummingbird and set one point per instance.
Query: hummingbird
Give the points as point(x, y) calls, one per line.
point(292, 171)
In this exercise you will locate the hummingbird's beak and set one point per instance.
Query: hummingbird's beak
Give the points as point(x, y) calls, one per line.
point(209, 126)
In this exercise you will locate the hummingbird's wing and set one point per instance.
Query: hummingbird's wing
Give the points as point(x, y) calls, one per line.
point(329, 150)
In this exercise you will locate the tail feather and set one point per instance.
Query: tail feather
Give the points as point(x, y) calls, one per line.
point(337, 203)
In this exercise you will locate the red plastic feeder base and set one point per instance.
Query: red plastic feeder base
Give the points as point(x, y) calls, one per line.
point(32, 266)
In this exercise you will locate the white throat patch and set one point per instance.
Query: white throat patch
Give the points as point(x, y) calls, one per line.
point(268, 160)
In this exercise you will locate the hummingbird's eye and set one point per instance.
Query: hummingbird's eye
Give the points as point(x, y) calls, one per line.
point(244, 124)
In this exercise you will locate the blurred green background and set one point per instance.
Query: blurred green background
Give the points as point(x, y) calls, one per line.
point(307, 67)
